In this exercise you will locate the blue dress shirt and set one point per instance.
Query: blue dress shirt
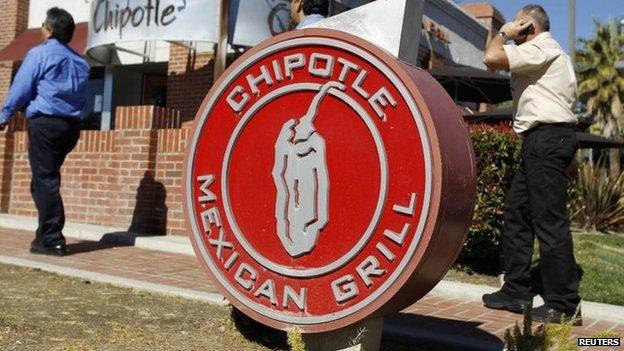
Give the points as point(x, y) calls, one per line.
point(52, 80)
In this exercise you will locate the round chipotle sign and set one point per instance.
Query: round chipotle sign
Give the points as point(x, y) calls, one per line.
point(314, 181)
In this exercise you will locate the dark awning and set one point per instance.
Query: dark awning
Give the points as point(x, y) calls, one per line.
point(471, 84)
point(493, 116)
point(593, 141)
point(18, 48)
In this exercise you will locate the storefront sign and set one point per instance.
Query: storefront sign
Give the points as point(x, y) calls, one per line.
point(327, 182)
point(114, 21)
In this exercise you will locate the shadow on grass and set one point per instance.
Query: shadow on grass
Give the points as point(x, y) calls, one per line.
point(253, 331)
point(482, 267)
point(404, 330)
point(401, 331)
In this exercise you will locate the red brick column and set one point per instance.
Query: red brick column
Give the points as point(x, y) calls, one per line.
point(6, 168)
point(7, 149)
point(170, 151)
point(14, 20)
point(141, 196)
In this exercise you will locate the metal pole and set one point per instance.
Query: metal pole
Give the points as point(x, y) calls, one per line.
point(222, 45)
point(572, 29)
point(107, 99)
point(410, 32)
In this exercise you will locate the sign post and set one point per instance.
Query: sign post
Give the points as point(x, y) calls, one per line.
point(327, 183)
point(222, 44)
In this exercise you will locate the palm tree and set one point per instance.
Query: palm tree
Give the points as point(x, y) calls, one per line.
point(601, 86)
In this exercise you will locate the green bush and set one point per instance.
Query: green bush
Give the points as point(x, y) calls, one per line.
point(546, 337)
point(525, 338)
point(497, 150)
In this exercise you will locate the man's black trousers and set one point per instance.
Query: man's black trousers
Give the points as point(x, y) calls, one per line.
point(50, 139)
point(535, 205)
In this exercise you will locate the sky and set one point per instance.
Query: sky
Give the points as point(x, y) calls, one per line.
point(586, 11)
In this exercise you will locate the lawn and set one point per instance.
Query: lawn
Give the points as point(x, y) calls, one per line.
point(601, 258)
point(44, 311)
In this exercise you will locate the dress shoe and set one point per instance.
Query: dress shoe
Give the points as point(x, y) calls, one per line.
point(547, 314)
point(501, 301)
point(53, 250)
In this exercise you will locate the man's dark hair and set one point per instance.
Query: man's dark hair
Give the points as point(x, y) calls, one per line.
point(539, 15)
point(61, 23)
point(320, 7)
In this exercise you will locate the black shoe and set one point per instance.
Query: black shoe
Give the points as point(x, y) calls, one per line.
point(546, 314)
point(54, 250)
point(501, 301)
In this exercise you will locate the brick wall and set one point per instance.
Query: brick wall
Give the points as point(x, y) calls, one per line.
point(129, 177)
point(14, 20)
point(190, 77)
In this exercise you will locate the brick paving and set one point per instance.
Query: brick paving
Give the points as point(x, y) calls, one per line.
point(456, 321)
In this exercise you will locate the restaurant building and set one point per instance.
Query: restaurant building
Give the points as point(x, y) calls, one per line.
point(153, 62)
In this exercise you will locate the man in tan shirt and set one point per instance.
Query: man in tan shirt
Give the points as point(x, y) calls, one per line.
point(544, 89)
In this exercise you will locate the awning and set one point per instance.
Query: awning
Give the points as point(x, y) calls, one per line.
point(492, 116)
point(18, 48)
point(593, 141)
point(469, 84)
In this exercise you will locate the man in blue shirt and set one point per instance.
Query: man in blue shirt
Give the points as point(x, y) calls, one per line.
point(307, 12)
point(51, 85)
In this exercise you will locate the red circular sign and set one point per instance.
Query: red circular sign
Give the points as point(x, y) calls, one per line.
point(313, 182)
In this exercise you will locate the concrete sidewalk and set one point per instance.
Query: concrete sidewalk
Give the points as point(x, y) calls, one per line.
point(440, 319)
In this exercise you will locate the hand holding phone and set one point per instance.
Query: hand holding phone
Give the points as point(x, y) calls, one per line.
point(530, 29)
point(518, 29)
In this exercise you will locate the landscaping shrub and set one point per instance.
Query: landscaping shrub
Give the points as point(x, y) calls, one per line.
point(597, 202)
point(497, 150)
point(525, 338)
point(546, 337)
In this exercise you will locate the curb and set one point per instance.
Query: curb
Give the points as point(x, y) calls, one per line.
point(117, 281)
point(178, 244)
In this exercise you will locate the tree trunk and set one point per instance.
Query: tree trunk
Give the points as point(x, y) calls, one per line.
point(614, 162)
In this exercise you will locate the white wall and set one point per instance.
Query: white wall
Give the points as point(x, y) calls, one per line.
point(79, 9)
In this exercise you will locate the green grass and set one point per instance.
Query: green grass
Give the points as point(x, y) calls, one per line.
point(43, 311)
point(601, 258)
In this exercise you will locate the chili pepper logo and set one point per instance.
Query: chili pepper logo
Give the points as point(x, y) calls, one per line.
point(302, 180)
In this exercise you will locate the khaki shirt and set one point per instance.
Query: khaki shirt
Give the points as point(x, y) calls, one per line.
point(543, 83)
